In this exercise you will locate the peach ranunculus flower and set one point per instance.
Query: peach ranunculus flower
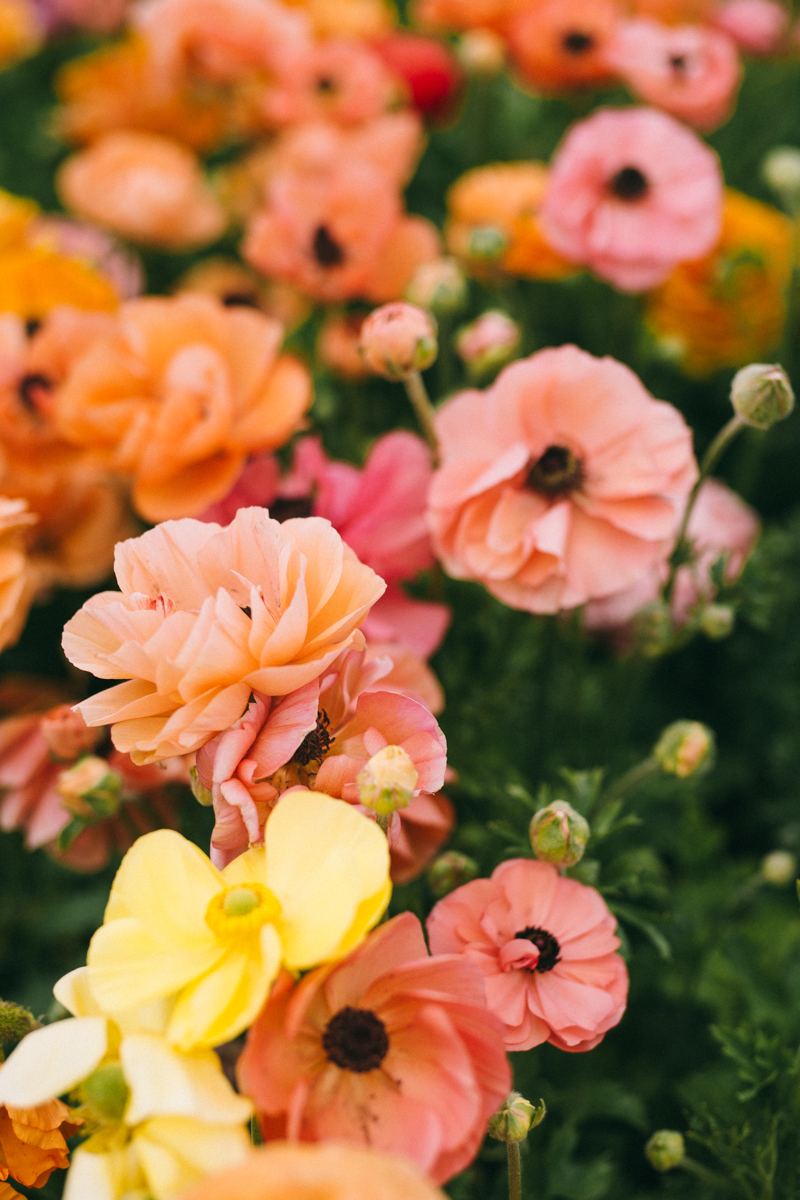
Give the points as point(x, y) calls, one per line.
point(560, 45)
point(21, 31)
point(205, 616)
point(562, 482)
point(178, 394)
point(757, 26)
point(691, 71)
point(364, 1053)
point(335, 79)
point(33, 1144)
point(348, 18)
point(632, 193)
point(18, 585)
point(284, 1171)
point(547, 949)
point(145, 187)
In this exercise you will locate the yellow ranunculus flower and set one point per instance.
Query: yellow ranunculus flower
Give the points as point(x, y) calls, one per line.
point(213, 941)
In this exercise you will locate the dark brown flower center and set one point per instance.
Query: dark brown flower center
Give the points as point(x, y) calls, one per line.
point(545, 943)
point(678, 63)
point(28, 388)
point(326, 85)
point(240, 300)
point(629, 184)
point(32, 326)
point(556, 472)
point(577, 42)
point(315, 745)
point(326, 250)
point(286, 507)
point(355, 1039)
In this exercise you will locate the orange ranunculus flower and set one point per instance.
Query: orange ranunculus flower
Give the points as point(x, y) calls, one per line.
point(34, 279)
point(728, 308)
point(177, 396)
point(21, 33)
point(32, 1144)
point(675, 12)
point(348, 18)
point(560, 45)
point(283, 1171)
point(17, 585)
point(502, 199)
point(465, 14)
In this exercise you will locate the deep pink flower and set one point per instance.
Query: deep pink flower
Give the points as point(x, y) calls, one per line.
point(391, 1048)
point(336, 79)
point(547, 949)
point(631, 194)
point(560, 483)
point(758, 26)
point(429, 69)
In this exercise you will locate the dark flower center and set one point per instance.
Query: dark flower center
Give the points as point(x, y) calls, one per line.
point(240, 300)
point(678, 63)
point(32, 326)
point(315, 745)
point(327, 251)
point(326, 85)
point(577, 43)
point(629, 184)
point(28, 387)
point(287, 507)
point(545, 943)
point(556, 472)
point(356, 1040)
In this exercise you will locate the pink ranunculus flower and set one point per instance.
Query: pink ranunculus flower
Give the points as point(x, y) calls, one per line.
point(96, 16)
point(757, 26)
point(391, 1047)
point(560, 483)
point(632, 192)
point(335, 79)
point(691, 71)
point(547, 949)
point(205, 616)
point(418, 835)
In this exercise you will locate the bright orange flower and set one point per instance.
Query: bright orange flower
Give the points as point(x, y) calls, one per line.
point(17, 587)
point(20, 31)
point(465, 14)
point(675, 12)
point(348, 18)
point(560, 45)
point(32, 1144)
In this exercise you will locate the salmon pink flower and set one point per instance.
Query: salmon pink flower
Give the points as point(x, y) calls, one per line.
point(418, 835)
point(338, 79)
point(391, 1048)
point(98, 16)
point(560, 45)
point(18, 583)
point(205, 616)
point(633, 192)
point(559, 482)
point(547, 949)
point(757, 26)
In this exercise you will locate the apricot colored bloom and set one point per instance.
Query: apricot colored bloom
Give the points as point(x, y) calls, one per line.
point(392, 1049)
point(691, 71)
point(178, 394)
point(466, 14)
point(757, 26)
point(728, 308)
point(213, 941)
point(338, 79)
point(20, 31)
point(290, 1172)
point(632, 193)
point(561, 482)
point(547, 949)
point(17, 582)
point(348, 18)
point(560, 45)
point(145, 187)
point(205, 616)
point(338, 345)
point(32, 1143)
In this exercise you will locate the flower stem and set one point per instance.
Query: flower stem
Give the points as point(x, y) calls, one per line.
point(631, 779)
point(709, 1178)
point(514, 1171)
point(418, 395)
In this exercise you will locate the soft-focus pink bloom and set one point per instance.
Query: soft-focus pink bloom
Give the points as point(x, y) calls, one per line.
point(391, 1047)
point(398, 339)
point(691, 71)
point(547, 949)
point(97, 16)
point(410, 674)
point(419, 833)
point(337, 79)
point(631, 193)
point(93, 246)
point(757, 26)
point(490, 338)
point(561, 482)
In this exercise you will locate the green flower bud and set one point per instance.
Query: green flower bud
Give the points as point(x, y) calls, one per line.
point(761, 394)
point(488, 342)
point(439, 286)
point(780, 170)
point(652, 629)
point(449, 871)
point(388, 781)
point(487, 242)
point(15, 1021)
point(516, 1118)
point(105, 1092)
point(91, 789)
point(665, 1149)
point(559, 834)
point(717, 620)
point(779, 868)
point(684, 748)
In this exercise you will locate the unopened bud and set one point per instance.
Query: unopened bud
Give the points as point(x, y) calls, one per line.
point(15, 1021)
point(488, 342)
point(199, 790)
point(559, 834)
point(653, 629)
point(487, 242)
point(481, 52)
point(665, 1149)
point(105, 1092)
point(717, 620)
point(449, 871)
point(91, 788)
point(514, 1121)
point(439, 286)
point(67, 734)
point(779, 868)
point(780, 170)
point(388, 781)
point(684, 748)
point(761, 394)
point(398, 339)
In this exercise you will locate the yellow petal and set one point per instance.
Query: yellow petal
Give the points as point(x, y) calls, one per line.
point(52, 1060)
point(163, 1082)
point(102, 1176)
point(128, 966)
point(176, 1151)
point(74, 992)
point(324, 860)
point(250, 867)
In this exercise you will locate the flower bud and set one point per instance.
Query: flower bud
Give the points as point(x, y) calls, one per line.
point(67, 734)
point(481, 52)
point(514, 1121)
point(91, 788)
point(15, 1021)
point(388, 781)
point(487, 242)
point(717, 620)
point(761, 394)
point(684, 748)
point(665, 1149)
point(652, 629)
point(449, 871)
point(559, 834)
point(398, 339)
point(439, 286)
point(488, 342)
point(779, 868)
point(780, 170)
point(105, 1092)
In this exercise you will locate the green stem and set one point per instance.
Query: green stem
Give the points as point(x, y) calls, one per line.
point(630, 780)
point(710, 1178)
point(514, 1171)
point(418, 395)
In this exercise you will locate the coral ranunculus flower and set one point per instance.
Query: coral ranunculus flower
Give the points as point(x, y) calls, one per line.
point(339, 79)
point(178, 395)
point(561, 482)
point(290, 1172)
point(32, 1143)
point(560, 45)
point(178, 929)
point(728, 308)
point(632, 193)
point(547, 949)
point(18, 584)
point(206, 615)
point(466, 14)
point(392, 1049)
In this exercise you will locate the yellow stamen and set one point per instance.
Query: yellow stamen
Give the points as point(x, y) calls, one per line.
point(239, 912)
